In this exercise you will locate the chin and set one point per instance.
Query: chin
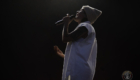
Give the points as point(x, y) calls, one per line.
point(76, 19)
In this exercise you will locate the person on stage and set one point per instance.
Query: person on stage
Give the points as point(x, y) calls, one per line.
point(81, 51)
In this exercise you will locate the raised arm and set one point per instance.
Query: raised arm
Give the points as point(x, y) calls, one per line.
point(78, 33)
point(81, 32)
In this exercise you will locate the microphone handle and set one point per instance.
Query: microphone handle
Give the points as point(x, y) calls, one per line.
point(61, 21)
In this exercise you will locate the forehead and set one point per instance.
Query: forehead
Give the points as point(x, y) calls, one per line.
point(81, 10)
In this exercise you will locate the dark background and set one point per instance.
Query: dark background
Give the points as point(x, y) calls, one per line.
point(29, 34)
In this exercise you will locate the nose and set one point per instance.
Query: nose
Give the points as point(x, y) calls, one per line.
point(78, 11)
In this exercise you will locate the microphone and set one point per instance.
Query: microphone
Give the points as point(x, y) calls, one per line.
point(61, 21)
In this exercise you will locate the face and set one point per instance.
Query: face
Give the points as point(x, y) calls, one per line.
point(80, 15)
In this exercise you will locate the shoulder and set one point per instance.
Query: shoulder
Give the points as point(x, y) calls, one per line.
point(84, 24)
point(82, 28)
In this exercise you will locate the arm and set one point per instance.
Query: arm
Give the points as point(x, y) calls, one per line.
point(80, 32)
point(65, 34)
point(58, 51)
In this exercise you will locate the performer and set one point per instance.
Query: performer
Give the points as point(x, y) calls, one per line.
point(81, 50)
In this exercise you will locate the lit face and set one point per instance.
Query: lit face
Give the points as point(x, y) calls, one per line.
point(80, 15)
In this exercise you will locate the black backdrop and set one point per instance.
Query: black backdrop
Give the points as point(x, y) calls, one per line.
point(29, 34)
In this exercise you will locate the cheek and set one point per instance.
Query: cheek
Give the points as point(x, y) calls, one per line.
point(79, 15)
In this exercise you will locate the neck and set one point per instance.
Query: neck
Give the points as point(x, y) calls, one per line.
point(83, 20)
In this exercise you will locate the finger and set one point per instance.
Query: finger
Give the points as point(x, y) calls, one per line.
point(67, 14)
point(54, 47)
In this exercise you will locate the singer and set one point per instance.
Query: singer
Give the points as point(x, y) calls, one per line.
point(81, 50)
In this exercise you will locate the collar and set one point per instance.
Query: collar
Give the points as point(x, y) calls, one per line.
point(86, 22)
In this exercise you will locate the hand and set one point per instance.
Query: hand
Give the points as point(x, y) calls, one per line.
point(58, 51)
point(67, 19)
